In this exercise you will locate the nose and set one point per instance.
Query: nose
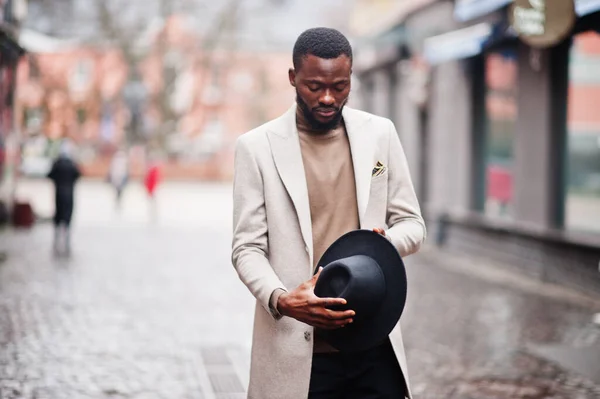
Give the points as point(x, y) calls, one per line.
point(327, 99)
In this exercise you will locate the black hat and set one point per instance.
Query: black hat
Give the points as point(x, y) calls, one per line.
point(364, 268)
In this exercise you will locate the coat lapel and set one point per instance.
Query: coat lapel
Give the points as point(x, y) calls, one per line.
point(285, 147)
point(361, 146)
point(287, 155)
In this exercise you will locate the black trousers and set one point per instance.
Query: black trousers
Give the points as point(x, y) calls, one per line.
point(373, 374)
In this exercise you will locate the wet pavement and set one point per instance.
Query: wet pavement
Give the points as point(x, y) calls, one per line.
point(148, 306)
point(472, 334)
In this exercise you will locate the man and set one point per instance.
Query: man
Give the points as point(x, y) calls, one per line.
point(302, 181)
point(64, 174)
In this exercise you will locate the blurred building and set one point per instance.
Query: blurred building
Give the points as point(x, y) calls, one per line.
point(203, 100)
point(64, 91)
point(194, 103)
point(497, 107)
point(12, 13)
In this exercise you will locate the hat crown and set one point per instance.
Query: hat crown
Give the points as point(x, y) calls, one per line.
point(358, 279)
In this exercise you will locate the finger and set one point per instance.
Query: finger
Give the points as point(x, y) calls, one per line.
point(326, 315)
point(316, 276)
point(326, 326)
point(337, 315)
point(325, 302)
point(379, 231)
point(313, 281)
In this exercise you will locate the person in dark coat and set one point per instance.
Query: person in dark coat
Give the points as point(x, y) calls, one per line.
point(64, 174)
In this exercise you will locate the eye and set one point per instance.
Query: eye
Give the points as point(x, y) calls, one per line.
point(340, 87)
point(314, 88)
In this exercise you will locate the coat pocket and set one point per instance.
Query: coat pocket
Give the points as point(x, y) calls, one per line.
point(379, 185)
point(379, 178)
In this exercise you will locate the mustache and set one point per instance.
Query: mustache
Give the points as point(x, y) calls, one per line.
point(325, 109)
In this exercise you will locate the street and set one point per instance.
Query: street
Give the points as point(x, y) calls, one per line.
point(149, 306)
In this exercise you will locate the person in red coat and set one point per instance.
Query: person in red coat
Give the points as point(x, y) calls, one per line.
point(152, 179)
point(151, 182)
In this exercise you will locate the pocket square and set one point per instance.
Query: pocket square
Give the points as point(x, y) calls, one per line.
point(378, 170)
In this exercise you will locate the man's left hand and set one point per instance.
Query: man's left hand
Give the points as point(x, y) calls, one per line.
point(379, 230)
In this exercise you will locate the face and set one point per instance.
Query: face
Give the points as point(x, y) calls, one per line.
point(322, 89)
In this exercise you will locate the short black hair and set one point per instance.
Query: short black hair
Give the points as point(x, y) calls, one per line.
point(321, 42)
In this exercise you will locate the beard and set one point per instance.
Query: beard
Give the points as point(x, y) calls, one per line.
point(313, 122)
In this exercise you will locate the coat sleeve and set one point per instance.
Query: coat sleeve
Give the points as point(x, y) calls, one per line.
point(406, 226)
point(250, 233)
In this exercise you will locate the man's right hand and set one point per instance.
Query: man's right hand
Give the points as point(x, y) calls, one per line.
point(303, 305)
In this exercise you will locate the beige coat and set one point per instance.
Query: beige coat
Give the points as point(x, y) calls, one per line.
point(272, 238)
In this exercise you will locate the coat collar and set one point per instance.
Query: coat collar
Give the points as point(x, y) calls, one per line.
point(285, 147)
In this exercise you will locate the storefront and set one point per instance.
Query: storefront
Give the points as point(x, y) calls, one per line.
point(533, 72)
point(505, 150)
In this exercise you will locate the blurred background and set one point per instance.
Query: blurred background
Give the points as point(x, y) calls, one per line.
point(497, 104)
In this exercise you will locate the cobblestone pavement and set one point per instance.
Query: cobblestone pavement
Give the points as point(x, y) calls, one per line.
point(145, 308)
point(148, 306)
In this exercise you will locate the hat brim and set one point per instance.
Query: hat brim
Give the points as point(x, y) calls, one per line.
point(366, 333)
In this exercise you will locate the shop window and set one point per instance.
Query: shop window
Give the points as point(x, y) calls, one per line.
point(582, 202)
point(501, 115)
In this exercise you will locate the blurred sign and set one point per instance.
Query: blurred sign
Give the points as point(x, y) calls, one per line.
point(458, 44)
point(542, 23)
point(465, 10)
point(585, 7)
point(375, 17)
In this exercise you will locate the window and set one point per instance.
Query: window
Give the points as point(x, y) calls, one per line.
point(33, 119)
point(81, 116)
point(582, 205)
point(501, 116)
point(34, 70)
point(81, 75)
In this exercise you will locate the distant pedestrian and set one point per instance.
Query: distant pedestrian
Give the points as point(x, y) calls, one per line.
point(64, 174)
point(152, 179)
point(151, 182)
point(118, 174)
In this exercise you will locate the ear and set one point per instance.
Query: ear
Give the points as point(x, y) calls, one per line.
point(292, 77)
